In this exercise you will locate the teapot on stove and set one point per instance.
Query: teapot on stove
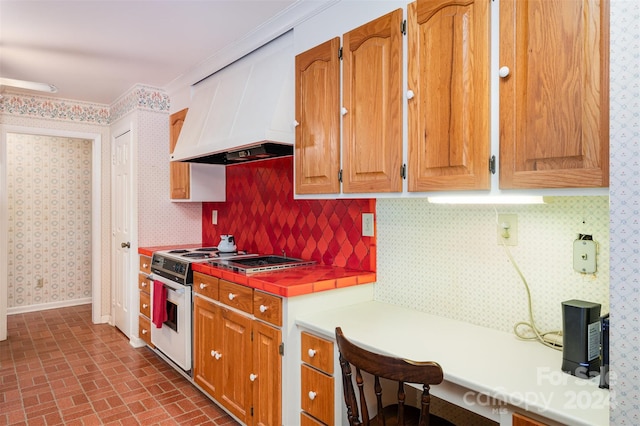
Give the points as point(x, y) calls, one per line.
point(227, 244)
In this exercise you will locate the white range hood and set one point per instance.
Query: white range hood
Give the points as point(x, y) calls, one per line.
point(244, 111)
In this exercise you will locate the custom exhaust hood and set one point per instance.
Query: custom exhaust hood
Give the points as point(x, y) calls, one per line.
point(243, 112)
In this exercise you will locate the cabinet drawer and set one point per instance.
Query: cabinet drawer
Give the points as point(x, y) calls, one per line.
point(145, 264)
point(267, 307)
point(145, 304)
point(317, 352)
point(206, 285)
point(144, 283)
point(236, 296)
point(317, 394)
point(144, 329)
point(307, 420)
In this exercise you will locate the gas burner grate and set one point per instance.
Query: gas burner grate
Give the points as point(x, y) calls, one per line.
point(207, 249)
point(179, 251)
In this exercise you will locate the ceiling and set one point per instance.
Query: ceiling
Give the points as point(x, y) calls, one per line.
point(96, 50)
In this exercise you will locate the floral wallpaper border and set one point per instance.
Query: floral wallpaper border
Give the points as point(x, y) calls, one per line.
point(139, 97)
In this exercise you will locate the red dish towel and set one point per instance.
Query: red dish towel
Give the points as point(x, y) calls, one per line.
point(159, 304)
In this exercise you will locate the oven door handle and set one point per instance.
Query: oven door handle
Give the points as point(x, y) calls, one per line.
point(175, 287)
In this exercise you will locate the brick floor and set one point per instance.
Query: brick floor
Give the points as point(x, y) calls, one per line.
point(57, 368)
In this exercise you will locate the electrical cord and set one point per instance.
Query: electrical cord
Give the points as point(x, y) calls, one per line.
point(551, 339)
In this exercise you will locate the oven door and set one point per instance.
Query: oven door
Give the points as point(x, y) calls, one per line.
point(173, 339)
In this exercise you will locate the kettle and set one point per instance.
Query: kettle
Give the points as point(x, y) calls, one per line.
point(227, 244)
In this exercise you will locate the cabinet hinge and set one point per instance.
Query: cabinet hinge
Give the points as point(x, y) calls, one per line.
point(492, 164)
point(340, 176)
point(252, 411)
point(340, 53)
point(403, 171)
point(281, 349)
point(252, 335)
point(403, 27)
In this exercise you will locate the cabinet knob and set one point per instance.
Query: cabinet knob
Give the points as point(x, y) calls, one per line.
point(410, 94)
point(311, 352)
point(145, 306)
point(232, 296)
point(253, 377)
point(144, 283)
point(312, 395)
point(504, 71)
point(202, 286)
point(145, 265)
point(144, 331)
point(263, 308)
point(343, 111)
point(216, 354)
point(295, 123)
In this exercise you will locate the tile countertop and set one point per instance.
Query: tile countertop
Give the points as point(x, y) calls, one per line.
point(293, 281)
point(286, 283)
point(148, 251)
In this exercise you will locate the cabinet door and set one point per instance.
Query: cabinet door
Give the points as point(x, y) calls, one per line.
point(372, 97)
point(317, 149)
point(448, 68)
point(206, 348)
point(267, 375)
point(236, 358)
point(520, 420)
point(179, 173)
point(554, 102)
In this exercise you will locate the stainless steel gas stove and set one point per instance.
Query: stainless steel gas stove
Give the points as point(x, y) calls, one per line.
point(172, 273)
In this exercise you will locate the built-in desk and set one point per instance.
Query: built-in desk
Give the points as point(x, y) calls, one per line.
point(489, 372)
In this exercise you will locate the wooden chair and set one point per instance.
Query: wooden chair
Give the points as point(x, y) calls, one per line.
point(396, 369)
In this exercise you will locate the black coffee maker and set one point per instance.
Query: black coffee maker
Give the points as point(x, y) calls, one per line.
point(581, 338)
point(604, 352)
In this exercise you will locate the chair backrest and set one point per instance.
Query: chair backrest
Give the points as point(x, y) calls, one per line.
point(382, 366)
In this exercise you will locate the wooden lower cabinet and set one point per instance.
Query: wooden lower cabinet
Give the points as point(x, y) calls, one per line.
point(237, 361)
point(520, 420)
point(144, 287)
point(206, 371)
point(316, 396)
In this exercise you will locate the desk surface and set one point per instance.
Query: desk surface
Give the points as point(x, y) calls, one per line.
point(482, 361)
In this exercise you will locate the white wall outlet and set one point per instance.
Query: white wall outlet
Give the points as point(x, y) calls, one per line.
point(367, 225)
point(214, 217)
point(507, 229)
point(584, 256)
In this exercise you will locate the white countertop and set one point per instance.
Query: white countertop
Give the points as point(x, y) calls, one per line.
point(482, 361)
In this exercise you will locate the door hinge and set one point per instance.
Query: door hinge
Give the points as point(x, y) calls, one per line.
point(340, 176)
point(403, 171)
point(403, 27)
point(492, 164)
point(281, 349)
point(340, 53)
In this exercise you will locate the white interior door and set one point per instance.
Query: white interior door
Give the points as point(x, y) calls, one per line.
point(122, 217)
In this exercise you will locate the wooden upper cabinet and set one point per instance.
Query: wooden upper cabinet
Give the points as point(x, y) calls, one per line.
point(179, 173)
point(317, 148)
point(554, 102)
point(448, 115)
point(372, 98)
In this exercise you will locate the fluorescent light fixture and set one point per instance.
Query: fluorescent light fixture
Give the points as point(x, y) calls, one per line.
point(486, 199)
point(29, 85)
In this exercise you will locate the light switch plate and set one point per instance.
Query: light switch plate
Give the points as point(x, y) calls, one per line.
point(367, 225)
point(584, 256)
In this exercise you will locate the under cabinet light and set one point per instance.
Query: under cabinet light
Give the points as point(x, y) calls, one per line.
point(29, 85)
point(486, 199)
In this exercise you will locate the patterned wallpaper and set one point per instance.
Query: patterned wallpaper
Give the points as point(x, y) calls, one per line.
point(49, 220)
point(625, 224)
point(459, 270)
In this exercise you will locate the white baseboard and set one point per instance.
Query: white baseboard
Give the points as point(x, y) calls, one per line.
point(45, 306)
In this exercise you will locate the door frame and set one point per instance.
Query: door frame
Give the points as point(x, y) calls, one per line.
point(96, 215)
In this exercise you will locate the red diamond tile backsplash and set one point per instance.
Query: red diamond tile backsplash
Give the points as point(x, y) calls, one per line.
point(264, 218)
